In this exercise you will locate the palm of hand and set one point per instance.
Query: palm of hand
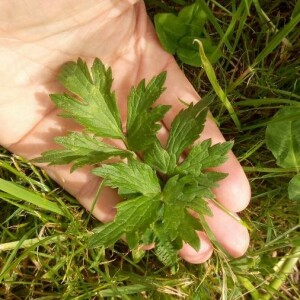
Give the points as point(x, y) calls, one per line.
point(32, 50)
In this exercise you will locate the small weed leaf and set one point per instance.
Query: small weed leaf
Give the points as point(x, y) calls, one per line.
point(294, 188)
point(283, 137)
point(177, 33)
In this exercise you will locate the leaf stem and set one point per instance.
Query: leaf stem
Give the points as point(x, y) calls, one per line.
point(283, 269)
point(30, 242)
point(249, 287)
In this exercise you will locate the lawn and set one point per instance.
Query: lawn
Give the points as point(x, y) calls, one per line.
point(256, 74)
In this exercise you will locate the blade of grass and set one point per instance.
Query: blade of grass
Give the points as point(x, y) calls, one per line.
point(282, 270)
point(275, 41)
point(214, 22)
point(31, 181)
point(235, 18)
point(31, 242)
point(33, 198)
point(9, 260)
point(207, 66)
point(267, 21)
point(266, 101)
point(277, 91)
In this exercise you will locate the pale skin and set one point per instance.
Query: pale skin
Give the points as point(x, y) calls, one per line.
point(37, 37)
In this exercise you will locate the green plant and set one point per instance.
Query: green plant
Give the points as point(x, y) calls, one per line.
point(283, 139)
point(177, 34)
point(154, 182)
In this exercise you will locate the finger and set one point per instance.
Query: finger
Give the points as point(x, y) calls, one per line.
point(231, 234)
point(189, 254)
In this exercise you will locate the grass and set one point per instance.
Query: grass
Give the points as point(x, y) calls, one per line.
point(42, 254)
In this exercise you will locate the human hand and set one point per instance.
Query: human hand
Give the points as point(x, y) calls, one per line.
point(36, 38)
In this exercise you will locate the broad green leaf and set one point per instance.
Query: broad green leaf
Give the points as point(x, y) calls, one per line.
point(283, 138)
point(177, 33)
point(294, 188)
point(80, 149)
point(194, 17)
point(142, 120)
point(169, 30)
point(30, 197)
point(188, 51)
point(134, 177)
point(186, 127)
point(94, 106)
point(133, 215)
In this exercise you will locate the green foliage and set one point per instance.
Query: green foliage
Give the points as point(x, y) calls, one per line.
point(177, 34)
point(80, 149)
point(186, 127)
point(156, 190)
point(294, 188)
point(130, 178)
point(37, 263)
point(142, 118)
point(95, 105)
point(283, 139)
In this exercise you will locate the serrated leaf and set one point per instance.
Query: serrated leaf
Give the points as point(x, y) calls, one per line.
point(172, 220)
point(159, 159)
point(80, 149)
point(133, 215)
point(142, 120)
point(203, 156)
point(140, 99)
point(283, 138)
point(179, 194)
point(187, 230)
point(143, 132)
point(166, 253)
point(102, 78)
point(186, 127)
point(294, 188)
point(95, 106)
point(165, 250)
point(131, 178)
